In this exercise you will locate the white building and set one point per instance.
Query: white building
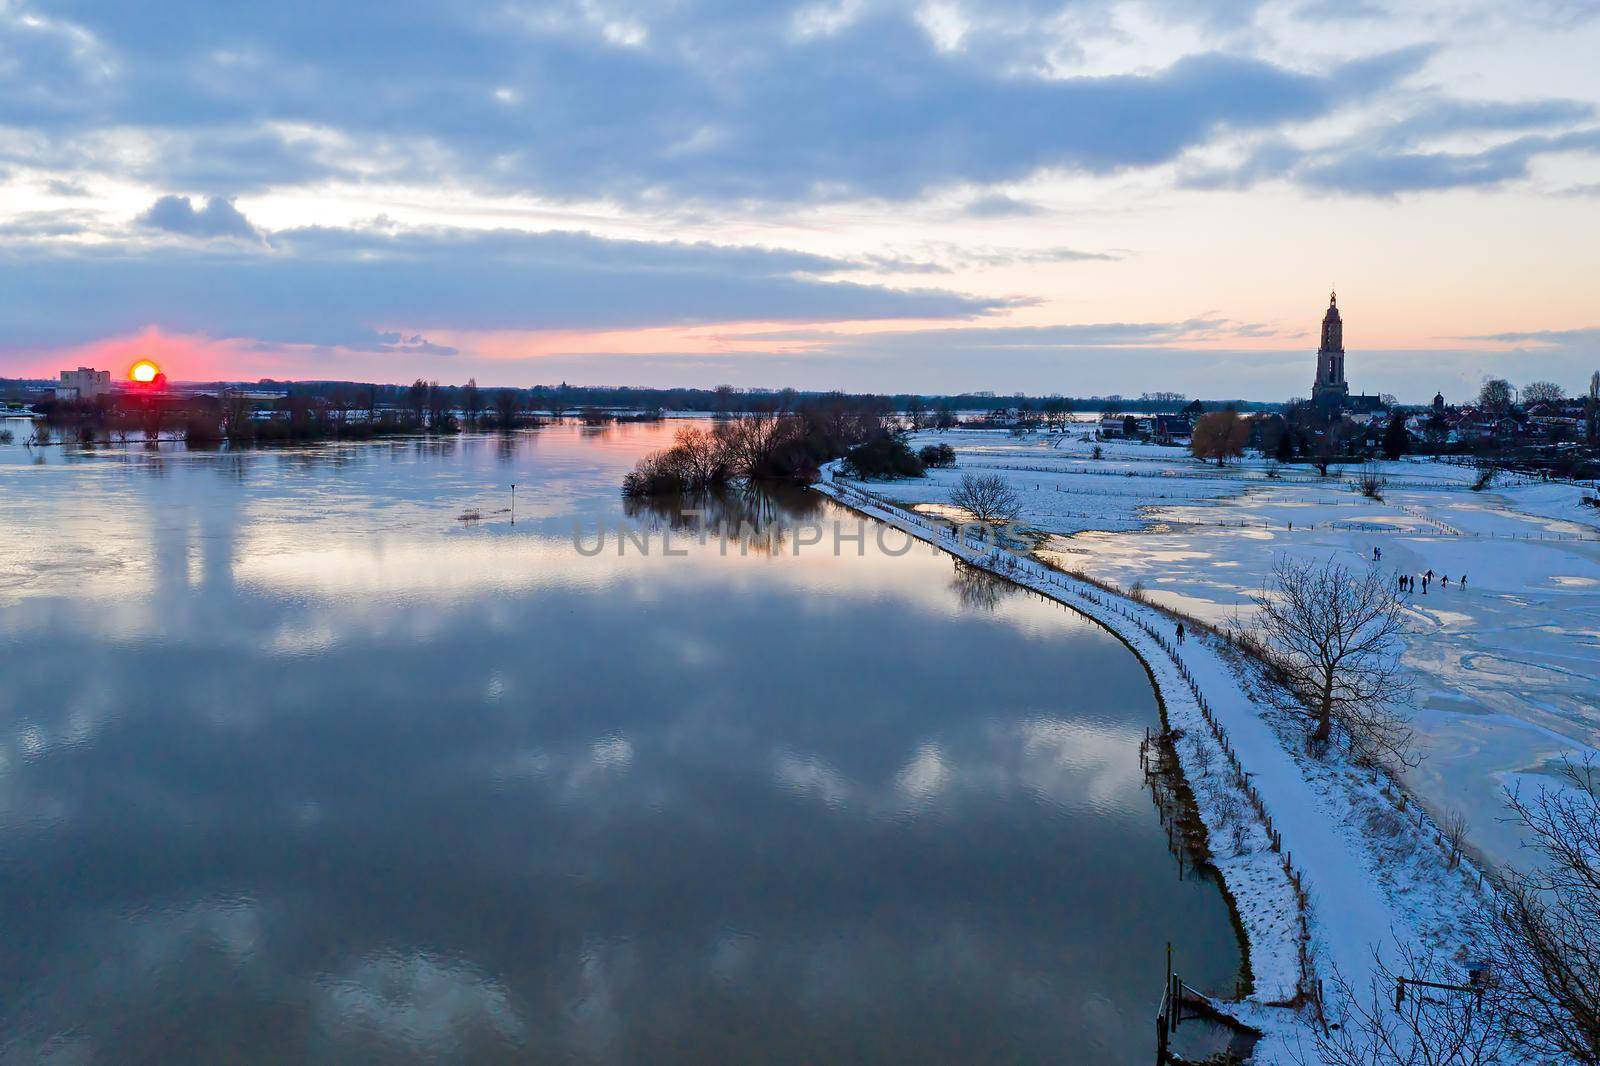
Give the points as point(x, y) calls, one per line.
point(83, 383)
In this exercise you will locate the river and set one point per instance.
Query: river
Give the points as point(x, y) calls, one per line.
point(301, 761)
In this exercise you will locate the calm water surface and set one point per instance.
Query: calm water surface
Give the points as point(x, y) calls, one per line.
point(295, 765)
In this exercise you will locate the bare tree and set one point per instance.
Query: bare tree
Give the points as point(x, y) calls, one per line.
point(1495, 396)
point(1332, 638)
point(1423, 1027)
point(987, 498)
point(505, 408)
point(1543, 392)
point(1371, 482)
point(1326, 451)
point(1455, 826)
point(751, 444)
point(1591, 410)
point(237, 415)
point(1543, 929)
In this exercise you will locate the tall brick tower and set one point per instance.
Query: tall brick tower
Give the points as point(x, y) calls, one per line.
point(1330, 389)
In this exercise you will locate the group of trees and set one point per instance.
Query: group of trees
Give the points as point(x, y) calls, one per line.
point(1498, 396)
point(777, 445)
point(1301, 435)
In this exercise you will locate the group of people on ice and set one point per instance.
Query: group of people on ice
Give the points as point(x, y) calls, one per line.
point(1408, 582)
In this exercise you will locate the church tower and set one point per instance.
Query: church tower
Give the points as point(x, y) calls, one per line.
point(1330, 389)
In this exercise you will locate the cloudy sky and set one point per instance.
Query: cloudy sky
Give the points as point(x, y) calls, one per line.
point(1083, 197)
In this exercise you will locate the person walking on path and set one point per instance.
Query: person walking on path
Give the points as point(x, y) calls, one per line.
point(1180, 632)
point(1377, 553)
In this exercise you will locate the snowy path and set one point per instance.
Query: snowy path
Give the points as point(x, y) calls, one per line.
point(1350, 915)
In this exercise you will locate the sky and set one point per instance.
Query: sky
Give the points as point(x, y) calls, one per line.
point(1083, 198)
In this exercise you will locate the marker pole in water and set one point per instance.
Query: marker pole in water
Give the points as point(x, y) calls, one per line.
point(513, 503)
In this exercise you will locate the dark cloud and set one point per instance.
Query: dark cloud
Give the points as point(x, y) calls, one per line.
point(353, 288)
point(712, 101)
point(1377, 173)
point(1588, 336)
point(219, 218)
point(1394, 158)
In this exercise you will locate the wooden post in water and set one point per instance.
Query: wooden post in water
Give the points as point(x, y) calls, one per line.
point(513, 503)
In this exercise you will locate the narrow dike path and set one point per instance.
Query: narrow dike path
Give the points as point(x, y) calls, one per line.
point(1305, 891)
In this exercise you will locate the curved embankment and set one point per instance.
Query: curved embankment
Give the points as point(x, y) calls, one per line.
point(1305, 889)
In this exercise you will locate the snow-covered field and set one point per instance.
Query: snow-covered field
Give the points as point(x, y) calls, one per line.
point(1507, 669)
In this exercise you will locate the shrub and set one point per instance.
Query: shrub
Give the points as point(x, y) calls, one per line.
point(938, 456)
point(200, 431)
point(883, 455)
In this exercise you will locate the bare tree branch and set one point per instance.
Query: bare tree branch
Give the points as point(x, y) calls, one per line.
point(1426, 1027)
point(1544, 927)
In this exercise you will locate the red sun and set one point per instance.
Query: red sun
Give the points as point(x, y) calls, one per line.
point(144, 372)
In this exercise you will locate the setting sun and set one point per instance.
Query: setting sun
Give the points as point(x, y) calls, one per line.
point(143, 371)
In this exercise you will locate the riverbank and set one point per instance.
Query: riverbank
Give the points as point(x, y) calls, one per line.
point(1329, 866)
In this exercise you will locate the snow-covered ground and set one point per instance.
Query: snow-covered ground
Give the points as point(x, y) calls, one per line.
point(1370, 867)
point(1507, 669)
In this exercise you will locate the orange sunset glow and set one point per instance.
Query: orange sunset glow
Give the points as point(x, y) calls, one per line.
point(144, 371)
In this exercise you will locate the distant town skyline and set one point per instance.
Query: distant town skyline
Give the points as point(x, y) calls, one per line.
point(935, 196)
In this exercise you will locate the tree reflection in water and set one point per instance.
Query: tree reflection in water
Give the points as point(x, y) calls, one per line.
point(979, 590)
point(762, 515)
